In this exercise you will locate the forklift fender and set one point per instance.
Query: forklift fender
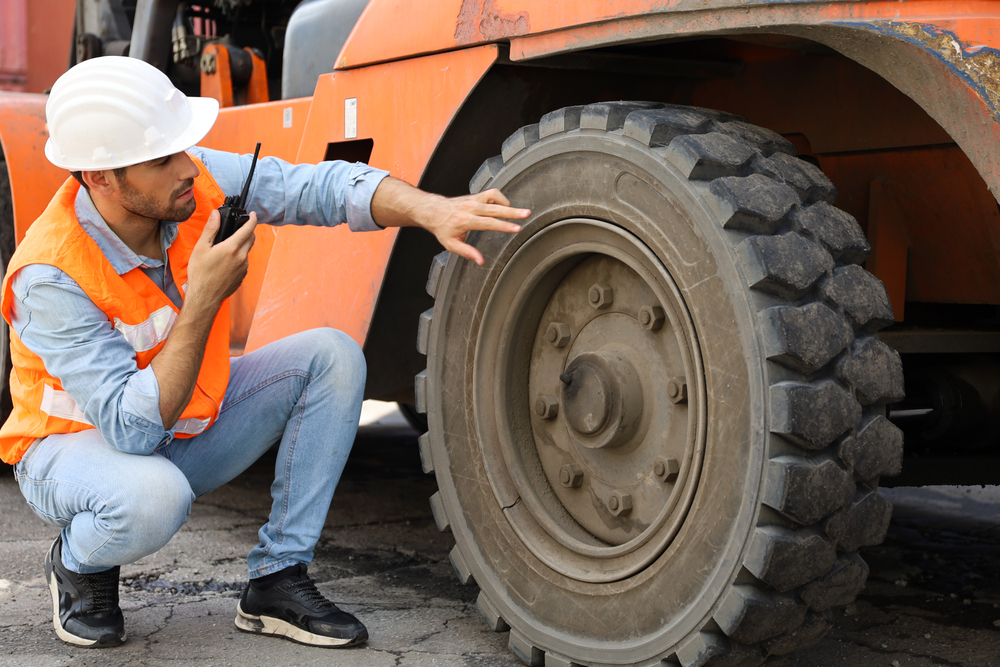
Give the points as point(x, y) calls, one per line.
point(33, 179)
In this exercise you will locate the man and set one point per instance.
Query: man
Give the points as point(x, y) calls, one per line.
point(126, 403)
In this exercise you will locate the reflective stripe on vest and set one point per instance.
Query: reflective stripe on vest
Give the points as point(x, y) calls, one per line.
point(60, 404)
point(147, 335)
point(191, 426)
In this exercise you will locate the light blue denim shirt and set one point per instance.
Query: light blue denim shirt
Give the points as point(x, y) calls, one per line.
point(56, 320)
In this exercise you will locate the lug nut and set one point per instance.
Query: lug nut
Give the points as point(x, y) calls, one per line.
point(666, 469)
point(547, 407)
point(601, 296)
point(652, 317)
point(558, 334)
point(620, 503)
point(677, 390)
point(571, 476)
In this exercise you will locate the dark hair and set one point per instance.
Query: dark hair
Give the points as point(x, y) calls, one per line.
point(119, 174)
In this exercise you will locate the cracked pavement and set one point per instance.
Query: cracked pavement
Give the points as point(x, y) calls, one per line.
point(933, 597)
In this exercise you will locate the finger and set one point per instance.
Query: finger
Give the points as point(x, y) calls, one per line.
point(492, 225)
point(246, 230)
point(493, 196)
point(211, 227)
point(464, 250)
point(498, 211)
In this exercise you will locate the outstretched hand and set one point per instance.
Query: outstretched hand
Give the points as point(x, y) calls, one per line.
point(450, 219)
point(488, 211)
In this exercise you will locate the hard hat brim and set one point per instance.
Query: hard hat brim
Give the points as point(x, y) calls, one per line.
point(204, 112)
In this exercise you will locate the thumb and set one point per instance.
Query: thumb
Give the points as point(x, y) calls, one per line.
point(211, 227)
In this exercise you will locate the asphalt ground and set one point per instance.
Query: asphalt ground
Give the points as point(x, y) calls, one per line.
point(933, 596)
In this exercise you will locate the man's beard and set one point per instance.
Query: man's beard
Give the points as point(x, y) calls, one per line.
point(140, 204)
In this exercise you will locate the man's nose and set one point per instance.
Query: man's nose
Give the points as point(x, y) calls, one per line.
point(188, 169)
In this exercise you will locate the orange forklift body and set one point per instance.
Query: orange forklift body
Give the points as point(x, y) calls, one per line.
point(409, 89)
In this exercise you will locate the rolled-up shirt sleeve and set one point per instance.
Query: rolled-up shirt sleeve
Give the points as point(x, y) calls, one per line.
point(325, 194)
point(55, 319)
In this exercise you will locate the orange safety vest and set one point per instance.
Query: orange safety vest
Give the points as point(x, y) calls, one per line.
point(135, 304)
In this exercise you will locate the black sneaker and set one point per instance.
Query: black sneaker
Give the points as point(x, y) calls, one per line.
point(290, 606)
point(85, 607)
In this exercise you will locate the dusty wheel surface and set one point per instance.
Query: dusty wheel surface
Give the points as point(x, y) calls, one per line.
point(656, 414)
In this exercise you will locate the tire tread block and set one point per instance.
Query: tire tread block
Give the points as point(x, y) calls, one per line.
point(560, 121)
point(748, 615)
point(861, 295)
point(493, 618)
point(876, 450)
point(436, 273)
point(525, 650)
point(805, 178)
point(521, 140)
point(440, 515)
point(426, 454)
point(424, 330)
point(839, 586)
point(812, 415)
point(837, 230)
point(805, 490)
point(768, 142)
point(486, 172)
point(861, 524)
point(786, 265)
point(461, 567)
point(705, 157)
point(420, 392)
point(805, 338)
point(787, 559)
point(811, 631)
point(707, 649)
point(610, 116)
point(754, 204)
point(659, 127)
point(556, 660)
point(875, 370)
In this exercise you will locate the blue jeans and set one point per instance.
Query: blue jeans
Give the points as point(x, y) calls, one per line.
point(114, 508)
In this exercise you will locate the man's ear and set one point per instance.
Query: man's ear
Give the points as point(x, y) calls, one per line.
point(100, 182)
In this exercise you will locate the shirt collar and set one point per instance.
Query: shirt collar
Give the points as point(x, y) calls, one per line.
point(121, 257)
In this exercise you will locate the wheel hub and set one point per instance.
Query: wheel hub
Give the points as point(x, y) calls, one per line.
point(603, 399)
point(598, 426)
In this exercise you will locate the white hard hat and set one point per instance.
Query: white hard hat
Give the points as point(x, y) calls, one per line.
point(113, 112)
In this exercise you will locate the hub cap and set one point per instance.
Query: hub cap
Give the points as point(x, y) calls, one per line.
point(595, 391)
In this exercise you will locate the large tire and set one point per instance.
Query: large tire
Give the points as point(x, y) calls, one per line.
point(656, 413)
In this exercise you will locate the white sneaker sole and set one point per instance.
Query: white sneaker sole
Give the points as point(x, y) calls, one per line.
point(60, 631)
point(267, 625)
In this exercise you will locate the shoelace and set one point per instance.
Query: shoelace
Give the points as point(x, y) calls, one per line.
point(102, 591)
point(306, 590)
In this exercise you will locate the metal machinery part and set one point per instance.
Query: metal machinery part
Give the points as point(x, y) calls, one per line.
point(606, 392)
point(316, 33)
point(151, 38)
point(952, 406)
point(663, 396)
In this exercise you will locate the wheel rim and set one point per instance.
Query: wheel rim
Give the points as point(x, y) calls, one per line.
point(588, 375)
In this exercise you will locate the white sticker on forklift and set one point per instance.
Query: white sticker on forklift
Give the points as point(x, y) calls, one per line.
point(286, 120)
point(351, 118)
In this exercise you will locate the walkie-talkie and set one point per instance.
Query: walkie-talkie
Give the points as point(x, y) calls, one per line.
point(233, 212)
